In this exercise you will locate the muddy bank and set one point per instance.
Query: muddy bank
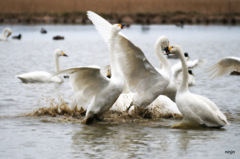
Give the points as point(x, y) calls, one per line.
point(146, 19)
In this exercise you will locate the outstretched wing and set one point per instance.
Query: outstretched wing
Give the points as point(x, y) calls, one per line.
point(102, 26)
point(139, 74)
point(86, 82)
point(177, 68)
point(138, 71)
point(224, 66)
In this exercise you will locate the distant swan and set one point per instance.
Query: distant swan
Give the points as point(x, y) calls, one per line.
point(224, 66)
point(5, 34)
point(196, 109)
point(92, 89)
point(42, 76)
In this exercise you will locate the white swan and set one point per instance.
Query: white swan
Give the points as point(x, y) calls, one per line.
point(224, 66)
point(93, 89)
point(42, 76)
point(138, 72)
point(171, 72)
point(195, 109)
point(5, 34)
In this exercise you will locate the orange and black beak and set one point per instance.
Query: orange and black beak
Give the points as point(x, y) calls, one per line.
point(122, 26)
point(166, 49)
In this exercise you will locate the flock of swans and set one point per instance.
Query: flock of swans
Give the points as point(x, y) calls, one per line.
point(132, 82)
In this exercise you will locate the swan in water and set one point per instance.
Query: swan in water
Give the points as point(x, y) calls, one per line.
point(5, 34)
point(140, 76)
point(195, 109)
point(171, 71)
point(224, 66)
point(92, 89)
point(42, 76)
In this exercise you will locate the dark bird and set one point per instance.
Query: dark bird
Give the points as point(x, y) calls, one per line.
point(19, 36)
point(58, 37)
point(43, 31)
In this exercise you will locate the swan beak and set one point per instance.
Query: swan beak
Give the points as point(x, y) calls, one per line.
point(108, 74)
point(166, 49)
point(64, 54)
point(122, 26)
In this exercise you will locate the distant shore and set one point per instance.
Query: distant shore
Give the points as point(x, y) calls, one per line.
point(144, 19)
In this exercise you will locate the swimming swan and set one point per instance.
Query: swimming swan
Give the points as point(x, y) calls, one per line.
point(195, 109)
point(42, 76)
point(92, 89)
point(225, 65)
point(5, 34)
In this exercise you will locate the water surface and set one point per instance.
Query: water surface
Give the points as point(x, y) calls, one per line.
point(45, 137)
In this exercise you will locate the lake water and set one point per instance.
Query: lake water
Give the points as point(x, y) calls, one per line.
point(23, 136)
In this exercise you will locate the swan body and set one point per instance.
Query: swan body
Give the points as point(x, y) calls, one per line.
point(5, 34)
point(42, 76)
point(164, 107)
point(195, 109)
point(123, 103)
point(92, 89)
point(225, 65)
point(160, 108)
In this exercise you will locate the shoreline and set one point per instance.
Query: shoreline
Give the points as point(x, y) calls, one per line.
point(145, 19)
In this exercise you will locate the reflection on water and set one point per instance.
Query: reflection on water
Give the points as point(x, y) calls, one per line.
point(61, 136)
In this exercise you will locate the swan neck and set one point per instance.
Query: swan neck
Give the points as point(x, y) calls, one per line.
point(165, 65)
point(113, 60)
point(57, 63)
point(4, 34)
point(184, 82)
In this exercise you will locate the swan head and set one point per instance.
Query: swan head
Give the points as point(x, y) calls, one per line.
point(186, 56)
point(163, 42)
point(109, 74)
point(117, 27)
point(175, 49)
point(190, 72)
point(59, 52)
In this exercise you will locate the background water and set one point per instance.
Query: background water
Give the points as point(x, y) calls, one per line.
point(33, 137)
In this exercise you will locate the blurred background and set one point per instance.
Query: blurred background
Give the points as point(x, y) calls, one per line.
point(127, 11)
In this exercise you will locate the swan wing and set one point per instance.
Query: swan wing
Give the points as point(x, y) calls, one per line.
point(214, 108)
point(227, 64)
point(102, 26)
point(177, 68)
point(203, 110)
point(86, 82)
point(196, 63)
point(138, 71)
